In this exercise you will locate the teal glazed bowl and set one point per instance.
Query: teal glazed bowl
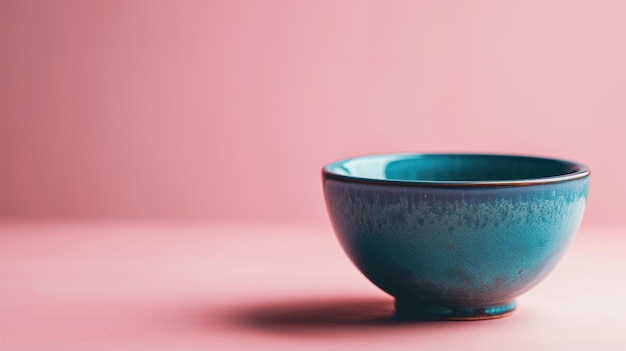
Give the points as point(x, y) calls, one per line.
point(455, 236)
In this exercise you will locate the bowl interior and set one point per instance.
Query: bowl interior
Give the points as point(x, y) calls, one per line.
point(453, 168)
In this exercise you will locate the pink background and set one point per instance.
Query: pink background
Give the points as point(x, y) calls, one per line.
point(226, 110)
point(118, 117)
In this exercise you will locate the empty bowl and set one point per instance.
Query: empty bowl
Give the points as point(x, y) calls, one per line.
point(455, 236)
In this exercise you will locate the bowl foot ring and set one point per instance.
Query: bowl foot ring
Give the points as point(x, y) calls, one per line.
point(429, 311)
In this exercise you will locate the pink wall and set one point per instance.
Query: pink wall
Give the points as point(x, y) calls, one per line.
point(227, 109)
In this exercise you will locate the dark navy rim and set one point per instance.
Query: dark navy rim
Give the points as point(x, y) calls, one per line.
point(578, 171)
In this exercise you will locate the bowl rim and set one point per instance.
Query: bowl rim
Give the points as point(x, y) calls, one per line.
point(580, 171)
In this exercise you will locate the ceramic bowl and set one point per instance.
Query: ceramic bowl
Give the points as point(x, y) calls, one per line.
point(455, 236)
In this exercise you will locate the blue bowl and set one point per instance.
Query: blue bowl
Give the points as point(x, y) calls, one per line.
point(455, 236)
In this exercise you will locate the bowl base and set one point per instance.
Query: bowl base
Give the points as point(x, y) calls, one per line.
point(426, 310)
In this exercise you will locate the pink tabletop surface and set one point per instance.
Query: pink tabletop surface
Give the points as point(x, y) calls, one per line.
point(95, 286)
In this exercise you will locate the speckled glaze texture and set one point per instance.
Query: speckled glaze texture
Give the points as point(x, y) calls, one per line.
point(455, 252)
